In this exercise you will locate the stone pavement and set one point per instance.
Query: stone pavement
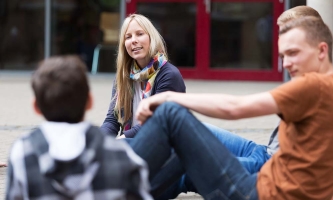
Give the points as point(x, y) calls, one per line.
point(17, 117)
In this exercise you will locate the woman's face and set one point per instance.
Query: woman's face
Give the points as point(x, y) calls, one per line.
point(137, 43)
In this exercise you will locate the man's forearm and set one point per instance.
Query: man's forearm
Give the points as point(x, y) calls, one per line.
point(226, 106)
point(221, 106)
point(212, 105)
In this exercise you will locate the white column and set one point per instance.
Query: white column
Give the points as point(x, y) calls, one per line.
point(325, 9)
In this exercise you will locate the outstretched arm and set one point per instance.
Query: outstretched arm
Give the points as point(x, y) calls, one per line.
point(213, 105)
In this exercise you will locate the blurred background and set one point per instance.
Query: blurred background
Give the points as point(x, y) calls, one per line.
point(206, 39)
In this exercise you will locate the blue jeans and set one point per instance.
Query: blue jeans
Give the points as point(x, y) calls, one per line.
point(251, 155)
point(214, 171)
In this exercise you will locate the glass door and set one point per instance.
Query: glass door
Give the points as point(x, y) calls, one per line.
point(218, 39)
point(243, 40)
point(88, 29)
point(21, 34)
point(177, 22)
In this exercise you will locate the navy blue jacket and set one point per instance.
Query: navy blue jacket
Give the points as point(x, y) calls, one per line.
point(167, 79)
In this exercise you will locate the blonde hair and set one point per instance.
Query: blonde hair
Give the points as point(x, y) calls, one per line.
point(296, 12)
point(124, 62)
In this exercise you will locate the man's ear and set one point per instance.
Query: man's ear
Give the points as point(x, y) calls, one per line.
point(35, 106)
point(323, 51)
point(89, 104)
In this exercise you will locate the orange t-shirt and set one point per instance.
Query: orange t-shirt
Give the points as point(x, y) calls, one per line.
point(303, 166)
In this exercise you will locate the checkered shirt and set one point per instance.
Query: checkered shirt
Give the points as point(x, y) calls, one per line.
point(106, 169)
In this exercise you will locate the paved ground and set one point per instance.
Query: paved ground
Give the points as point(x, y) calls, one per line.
point(17, 117)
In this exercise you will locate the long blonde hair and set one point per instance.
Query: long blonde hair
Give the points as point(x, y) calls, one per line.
point(124, 62)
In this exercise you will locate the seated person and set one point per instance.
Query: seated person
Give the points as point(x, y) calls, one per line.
point(250, 154)
point(301, 168)
point(143, 70)
point(66, 157)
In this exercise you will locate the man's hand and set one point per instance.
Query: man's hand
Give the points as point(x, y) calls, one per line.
point(148, 106)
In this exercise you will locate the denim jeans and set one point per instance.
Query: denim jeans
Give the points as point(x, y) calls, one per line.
point(214, 171)
point(251, 155)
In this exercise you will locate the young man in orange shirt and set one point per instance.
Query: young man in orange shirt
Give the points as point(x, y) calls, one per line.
point(302, 167)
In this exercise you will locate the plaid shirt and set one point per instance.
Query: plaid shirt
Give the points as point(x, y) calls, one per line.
point(106, 169)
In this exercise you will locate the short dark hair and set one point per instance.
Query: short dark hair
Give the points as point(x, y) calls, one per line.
point(315, 29)
point(61, 88)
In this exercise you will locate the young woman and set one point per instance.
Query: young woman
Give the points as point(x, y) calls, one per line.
point(142, 71)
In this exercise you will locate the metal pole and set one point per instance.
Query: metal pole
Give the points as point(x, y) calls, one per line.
point(286, 4)
point(47, 32)
point(286, 76)
point(122, 12)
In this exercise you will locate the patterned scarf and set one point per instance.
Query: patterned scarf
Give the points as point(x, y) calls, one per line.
point(147, 76)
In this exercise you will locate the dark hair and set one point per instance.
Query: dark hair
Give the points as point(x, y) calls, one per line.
point(60, 85)
point(315, 29)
